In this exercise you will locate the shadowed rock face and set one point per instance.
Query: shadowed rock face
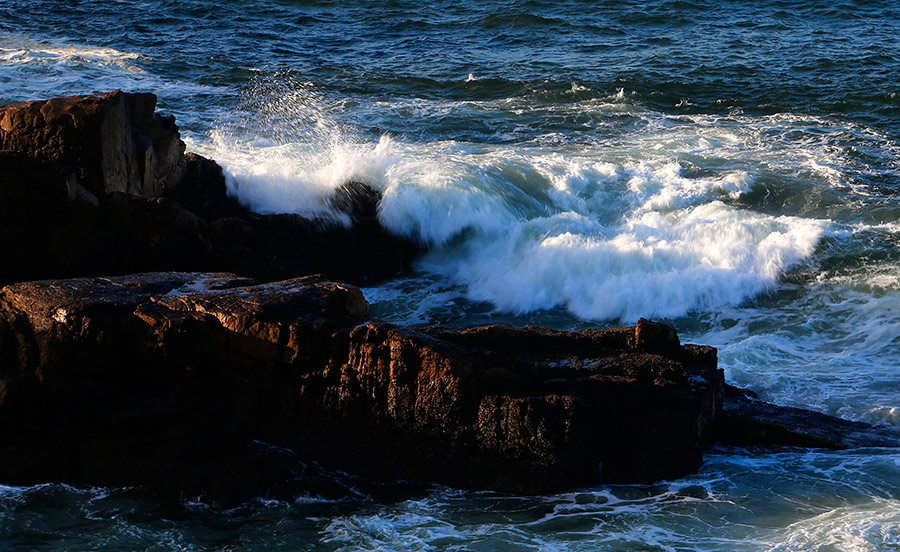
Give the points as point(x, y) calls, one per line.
point(186, 382)
point(522, 410)
point(99, 185)
point(114, 142)
point(167, 379)
point(748, 421)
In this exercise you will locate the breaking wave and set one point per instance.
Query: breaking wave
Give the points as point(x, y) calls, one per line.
point(608, 232)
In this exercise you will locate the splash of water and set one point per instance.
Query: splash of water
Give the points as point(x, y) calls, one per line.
point(606, 234)
point(286, 151)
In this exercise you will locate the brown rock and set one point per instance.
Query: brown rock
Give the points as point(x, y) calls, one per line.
point(184, 382)
point(81, 194)
point(152, 379)
point(114, 142)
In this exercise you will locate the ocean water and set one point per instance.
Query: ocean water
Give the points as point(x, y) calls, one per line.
point(732, 168)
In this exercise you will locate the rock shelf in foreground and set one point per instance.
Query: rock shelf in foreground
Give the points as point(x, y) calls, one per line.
point(155, 379)
point(172, 381)
point(100, 185)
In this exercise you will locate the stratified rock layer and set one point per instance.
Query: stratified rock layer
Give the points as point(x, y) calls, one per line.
point(166, 380)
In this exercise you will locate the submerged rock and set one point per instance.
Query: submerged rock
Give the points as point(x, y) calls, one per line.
point(357, 200)
point(747, 421)
point(99, 185)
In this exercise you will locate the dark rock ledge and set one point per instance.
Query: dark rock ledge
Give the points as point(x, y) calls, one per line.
point(167, 380)
point(100, 185)
point(208, 384)
point(156, 378)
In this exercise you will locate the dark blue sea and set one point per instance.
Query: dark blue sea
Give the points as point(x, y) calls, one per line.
point(730, 167)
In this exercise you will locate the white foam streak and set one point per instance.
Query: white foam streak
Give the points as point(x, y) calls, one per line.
point(290, 178)
point(853, 529)
point(435, 201)
point(21, 50)
point(664, 188)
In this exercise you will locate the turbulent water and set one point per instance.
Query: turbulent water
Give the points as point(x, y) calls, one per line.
point(730, 167)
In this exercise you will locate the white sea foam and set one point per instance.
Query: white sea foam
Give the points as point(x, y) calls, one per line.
point(288, 178)
point(655, 265)
point(606, 241)
point(48, 68)
point(609, 234)
point(832, 347)
point(884, 415)
point(287, 153)
point(15, 49)
point(875, 526)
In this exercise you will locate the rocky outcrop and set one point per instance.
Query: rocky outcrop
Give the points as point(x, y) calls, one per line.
point(99, 185)
point(748, 421)
point(115, 142)
point(168, 380)
point(520, 410)
point(202, 384)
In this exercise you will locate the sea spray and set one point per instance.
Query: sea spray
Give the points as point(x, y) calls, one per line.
point(286, 151)
point(621, 243)
point(592, 229)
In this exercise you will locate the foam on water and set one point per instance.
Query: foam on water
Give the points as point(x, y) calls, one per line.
point(43, 69)
point(21, 50)
point(845, 500)
point(830, 345)
point(607, 232)
point(653, 264)
point(735, 171)
point(858, 528)
point(286, 152)
point(740, 501)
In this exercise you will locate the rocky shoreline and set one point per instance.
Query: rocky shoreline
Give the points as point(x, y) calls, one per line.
point(216, 344)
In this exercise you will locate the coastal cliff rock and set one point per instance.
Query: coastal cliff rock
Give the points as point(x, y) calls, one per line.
point(168, 379)
point(205, 385)
point(100, 185)
point(114, 142)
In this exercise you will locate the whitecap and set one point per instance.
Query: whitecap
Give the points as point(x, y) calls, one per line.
point(22, 50)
